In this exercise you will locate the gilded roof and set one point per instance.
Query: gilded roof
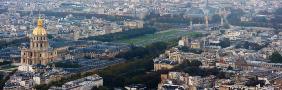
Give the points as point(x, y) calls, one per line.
point(39, 30)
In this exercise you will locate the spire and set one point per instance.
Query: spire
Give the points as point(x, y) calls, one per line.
point(39, 30)
point(39, 22)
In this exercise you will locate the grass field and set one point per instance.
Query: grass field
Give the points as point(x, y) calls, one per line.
point(159, 36)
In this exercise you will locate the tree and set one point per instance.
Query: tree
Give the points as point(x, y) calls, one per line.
point(235, 17)
point(196, 63)
point(225, 43)
point(100, 88)
point(184, 64)
point(216, 19)
point(222, 31)
point(226, 26)
point(195, 71)
point(275, 57)
point(254, 81)
point(229, 68)
point(5, 63)
point(250, 45)
point(187, 49)
point(49, 36)
point(139, 62)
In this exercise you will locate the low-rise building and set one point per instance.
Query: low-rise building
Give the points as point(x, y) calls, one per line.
point(134, 24)
point(85, 83)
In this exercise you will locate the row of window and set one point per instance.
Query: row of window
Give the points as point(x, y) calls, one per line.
point(40, 55)
point(30, 62)
point(39, 38)
point(30, 54)
point(37, 44)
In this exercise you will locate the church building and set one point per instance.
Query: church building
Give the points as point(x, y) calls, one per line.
point(39, 51)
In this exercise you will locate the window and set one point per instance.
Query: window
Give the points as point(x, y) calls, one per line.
point(40, 55)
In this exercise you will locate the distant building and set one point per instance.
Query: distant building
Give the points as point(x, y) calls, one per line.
point(134, 24)
point(164, 64)
point(27, 68)
point(32, 68)
point(174, 81)
point(182, 81)
point(195, 44)
point(232, 35)
point(183, 42)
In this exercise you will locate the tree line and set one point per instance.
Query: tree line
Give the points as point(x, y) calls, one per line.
point(275, 57)
point(193, 69)
point(235, 19)
point(123, 35)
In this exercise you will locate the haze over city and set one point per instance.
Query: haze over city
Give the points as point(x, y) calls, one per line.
point(140, 44)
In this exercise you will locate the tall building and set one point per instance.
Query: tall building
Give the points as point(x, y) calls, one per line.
point(39, 51)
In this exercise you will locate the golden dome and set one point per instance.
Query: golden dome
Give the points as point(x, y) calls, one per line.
point(39, 30)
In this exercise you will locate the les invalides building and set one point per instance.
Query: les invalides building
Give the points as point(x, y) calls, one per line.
point(39, 51)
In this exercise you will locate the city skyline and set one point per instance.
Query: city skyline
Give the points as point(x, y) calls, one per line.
point(140, 44)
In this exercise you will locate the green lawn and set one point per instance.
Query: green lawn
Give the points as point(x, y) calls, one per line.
point(159, 36)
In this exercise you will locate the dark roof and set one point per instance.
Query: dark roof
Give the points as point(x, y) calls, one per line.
point(166, 87)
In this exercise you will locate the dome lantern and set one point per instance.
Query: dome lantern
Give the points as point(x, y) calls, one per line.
point(39, 30)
